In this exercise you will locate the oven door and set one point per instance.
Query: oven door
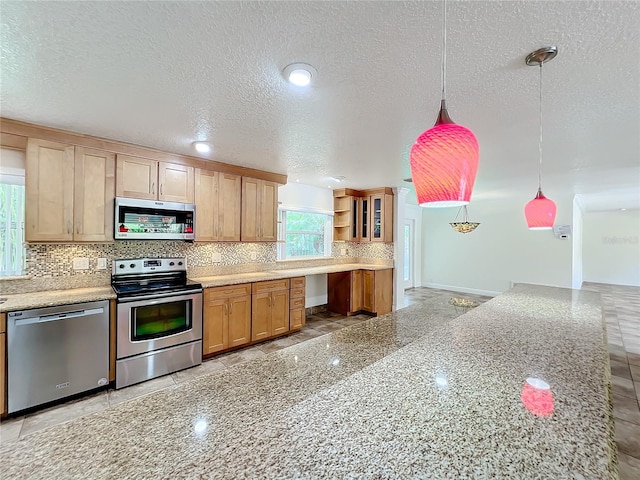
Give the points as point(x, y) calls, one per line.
point(157, 321)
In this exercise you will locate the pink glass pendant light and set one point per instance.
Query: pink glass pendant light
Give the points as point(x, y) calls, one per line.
point(541, 211)
point(444, 159)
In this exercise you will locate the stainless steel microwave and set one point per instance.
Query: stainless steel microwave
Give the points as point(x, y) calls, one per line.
point(137, 219)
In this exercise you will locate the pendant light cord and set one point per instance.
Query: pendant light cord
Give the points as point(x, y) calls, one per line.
point(540, 142)
point(444, 47)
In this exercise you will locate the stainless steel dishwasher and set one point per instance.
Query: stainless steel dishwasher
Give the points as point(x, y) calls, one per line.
point(56, 352)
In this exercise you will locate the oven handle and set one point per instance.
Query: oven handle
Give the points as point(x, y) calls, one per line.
point(145, 297)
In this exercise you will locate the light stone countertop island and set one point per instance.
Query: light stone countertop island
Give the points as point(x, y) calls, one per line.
point(417, 393)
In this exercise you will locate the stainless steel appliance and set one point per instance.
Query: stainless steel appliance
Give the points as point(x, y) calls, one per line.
point(152, 220)
point(158, 318)
point(56, 352)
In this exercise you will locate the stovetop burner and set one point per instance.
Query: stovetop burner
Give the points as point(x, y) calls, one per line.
point(145, 276)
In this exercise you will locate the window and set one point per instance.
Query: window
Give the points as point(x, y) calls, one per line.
point(12, 198)
point(304, 234)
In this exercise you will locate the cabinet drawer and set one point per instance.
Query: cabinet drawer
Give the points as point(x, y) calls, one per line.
point(270, 286)
point(298, 282)
point(296, 319)
point(297, 292)
point(296, 303)
point(227, 292)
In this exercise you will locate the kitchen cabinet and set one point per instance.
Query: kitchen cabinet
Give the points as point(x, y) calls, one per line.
point(351, 292)
point(152, 180)
point(269, 309)
point(69, 193)
point(259, 210)
point(217, 199)
point(226, 318)
point(3, 364)
point(297, 303)
point(363, 215)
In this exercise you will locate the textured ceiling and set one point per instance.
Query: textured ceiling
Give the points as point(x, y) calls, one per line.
point(163, 74)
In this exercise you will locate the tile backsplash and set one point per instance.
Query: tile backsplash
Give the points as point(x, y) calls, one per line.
point(50, 266)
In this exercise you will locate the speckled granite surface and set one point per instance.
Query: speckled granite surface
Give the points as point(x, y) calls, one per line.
point(413, 394)
point(77, 295)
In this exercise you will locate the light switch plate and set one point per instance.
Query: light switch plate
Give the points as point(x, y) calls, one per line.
point(102, 264)
point(216, 257)
point(81, 263)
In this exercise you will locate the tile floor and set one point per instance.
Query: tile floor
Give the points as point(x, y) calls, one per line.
point(621, 307)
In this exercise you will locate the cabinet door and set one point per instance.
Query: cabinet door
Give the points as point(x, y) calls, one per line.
point(176, 183)
point(368, 291)
point(377, 214)
point(365, 219)
point(215, 335)
point(49, 191)
point(136, 177)
point(384, 291)
point(3, 339)
point(250, 213)
point(387, 218)
point(230, 189)
point(268, 212)
point(296, 318)
point(94, 189)
point(239, 320)
point(280, 312)
point(206, 194)
point(356, 232)
point(356, 291)
point(260, 316)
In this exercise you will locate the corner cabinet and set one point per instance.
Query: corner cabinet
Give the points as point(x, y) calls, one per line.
point(152, 180)
point(369, 291)
point(226, 318)
point(69, 193)
point(363, 215)
point(217, 199)
point(259, 210)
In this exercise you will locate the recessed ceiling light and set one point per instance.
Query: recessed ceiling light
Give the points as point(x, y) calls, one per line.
point(623, 209)
point(299, 74)
point(202, 147)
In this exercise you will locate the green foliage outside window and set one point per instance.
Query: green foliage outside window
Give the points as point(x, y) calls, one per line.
point(305, 233)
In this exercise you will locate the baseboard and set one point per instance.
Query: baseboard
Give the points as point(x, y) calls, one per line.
point(457, 288)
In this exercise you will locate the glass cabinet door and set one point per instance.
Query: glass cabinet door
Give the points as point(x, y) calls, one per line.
point(364, 222)
point(355, 234)
point(376, 218)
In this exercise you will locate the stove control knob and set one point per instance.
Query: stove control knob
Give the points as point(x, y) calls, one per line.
point(132, 265)
point(179, 263)
point(171, 264)
point(121, 265)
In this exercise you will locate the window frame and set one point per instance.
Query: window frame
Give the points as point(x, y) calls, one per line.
point(282, 232)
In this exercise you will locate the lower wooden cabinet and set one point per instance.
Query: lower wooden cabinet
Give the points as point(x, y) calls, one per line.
point(296, 303)
point(226, 318)
point(351, 292)
point(269, 309)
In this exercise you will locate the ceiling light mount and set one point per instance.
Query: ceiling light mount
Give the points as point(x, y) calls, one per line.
point(542, 55)
point(300, 74)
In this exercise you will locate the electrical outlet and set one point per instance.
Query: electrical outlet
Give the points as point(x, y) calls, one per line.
point(81, 263)
point(216, 257)
point(254, 255)
point(102, 264)
point(343, 251)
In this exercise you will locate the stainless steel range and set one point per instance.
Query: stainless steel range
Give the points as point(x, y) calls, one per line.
point(159, 318)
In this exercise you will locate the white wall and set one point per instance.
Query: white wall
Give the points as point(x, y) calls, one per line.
point(501, 250)
point(576, 239)
point(611, 247)
point(414, 212)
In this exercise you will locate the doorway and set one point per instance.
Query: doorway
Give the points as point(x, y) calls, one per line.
point(409, 253)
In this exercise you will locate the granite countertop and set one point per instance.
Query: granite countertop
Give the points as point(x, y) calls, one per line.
point(221, 280)
point(50, 298)
point(417, 393)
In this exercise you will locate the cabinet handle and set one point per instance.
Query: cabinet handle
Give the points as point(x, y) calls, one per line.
point(230, 308)
point(161, 185)
point(226, 308)
point(269, 300)
point(153, 188)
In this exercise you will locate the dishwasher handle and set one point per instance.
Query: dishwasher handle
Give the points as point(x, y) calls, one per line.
point(59, 316)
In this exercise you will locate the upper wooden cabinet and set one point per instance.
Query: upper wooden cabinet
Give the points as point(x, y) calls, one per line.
point(93, 194)
point(148, 179)
point(363, 215)
point(69, 193)
point(217, 198)
point(259, 210)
